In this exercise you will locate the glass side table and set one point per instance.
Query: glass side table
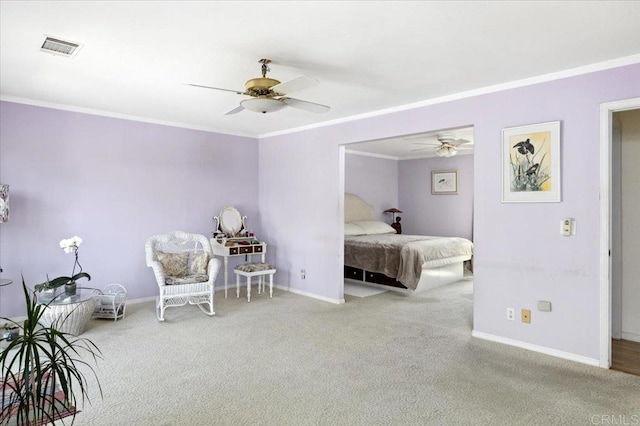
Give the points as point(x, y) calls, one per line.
point(69, 314)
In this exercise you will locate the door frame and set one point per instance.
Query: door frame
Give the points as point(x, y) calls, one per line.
point(606, 125)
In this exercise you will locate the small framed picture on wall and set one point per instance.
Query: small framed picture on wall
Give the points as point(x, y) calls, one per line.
point(444, 182)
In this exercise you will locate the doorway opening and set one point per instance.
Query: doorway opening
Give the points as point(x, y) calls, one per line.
point(617, 320)
point(394, 176)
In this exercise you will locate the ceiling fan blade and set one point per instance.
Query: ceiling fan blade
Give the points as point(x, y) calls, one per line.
point(298, 83)
point(217, 88)
point(459, 142)
point(305, 105)
point(235, 110)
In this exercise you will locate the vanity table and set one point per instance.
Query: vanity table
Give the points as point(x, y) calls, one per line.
point(231, 238)
point(237, 249)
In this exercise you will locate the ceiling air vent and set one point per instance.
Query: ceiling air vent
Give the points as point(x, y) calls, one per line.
point(57, 46)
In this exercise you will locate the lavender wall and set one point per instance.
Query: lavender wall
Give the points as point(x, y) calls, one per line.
point(428, 214)
point(375, 180)
point(520, 256)
point(386, 183)
point(114, 183)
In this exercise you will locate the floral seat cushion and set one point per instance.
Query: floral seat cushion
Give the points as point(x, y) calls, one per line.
point(254, 267)
point(189, 279)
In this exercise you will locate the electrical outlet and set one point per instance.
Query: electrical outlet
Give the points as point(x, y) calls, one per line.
point(303, 274)
point(568, 227)
point(511, 314)
point(526, 316)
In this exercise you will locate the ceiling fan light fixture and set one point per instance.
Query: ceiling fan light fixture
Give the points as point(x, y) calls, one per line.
point(446, 151)
point(263, 105)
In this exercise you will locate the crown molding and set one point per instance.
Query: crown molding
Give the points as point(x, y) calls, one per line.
point(586, 69)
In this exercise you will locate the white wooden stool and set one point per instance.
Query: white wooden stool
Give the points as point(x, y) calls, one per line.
point(251, 270)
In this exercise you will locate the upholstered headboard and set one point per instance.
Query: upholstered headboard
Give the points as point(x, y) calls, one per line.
point(356, 209)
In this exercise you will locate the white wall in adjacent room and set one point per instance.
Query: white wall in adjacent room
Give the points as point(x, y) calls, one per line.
point(375, 180)
point(448, 215)
point(630, 226)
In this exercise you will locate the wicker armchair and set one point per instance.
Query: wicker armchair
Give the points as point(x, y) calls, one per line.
point(184, 269)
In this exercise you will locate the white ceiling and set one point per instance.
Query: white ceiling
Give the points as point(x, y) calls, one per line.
point(368, 55)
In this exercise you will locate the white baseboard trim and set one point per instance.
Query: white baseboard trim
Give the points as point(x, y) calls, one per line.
point(536, 348)
point(221, 289)
point(141, 300)
point(630, 336)
point(312, 295)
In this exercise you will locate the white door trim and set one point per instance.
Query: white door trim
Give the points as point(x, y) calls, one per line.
point(606, 114)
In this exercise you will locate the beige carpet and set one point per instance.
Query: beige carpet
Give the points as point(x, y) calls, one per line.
point(361, 290)
point(385, 359)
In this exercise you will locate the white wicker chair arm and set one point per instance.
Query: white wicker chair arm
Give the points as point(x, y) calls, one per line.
point(213, 268)
point(158, 271)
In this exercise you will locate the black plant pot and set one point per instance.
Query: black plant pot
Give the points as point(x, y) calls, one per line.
point(70, 288)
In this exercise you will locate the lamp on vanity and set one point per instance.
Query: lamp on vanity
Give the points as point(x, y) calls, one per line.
point(395, 224)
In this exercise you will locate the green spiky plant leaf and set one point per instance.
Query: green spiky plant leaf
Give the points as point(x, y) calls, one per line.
point(40, 363)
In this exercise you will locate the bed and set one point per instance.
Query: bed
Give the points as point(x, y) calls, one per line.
point(375, 254)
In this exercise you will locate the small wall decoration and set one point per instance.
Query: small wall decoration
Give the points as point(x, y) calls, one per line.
point(531, 163)
point(444, 182)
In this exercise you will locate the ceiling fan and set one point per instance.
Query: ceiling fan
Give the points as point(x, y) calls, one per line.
point(269, 95)
point(447, 145)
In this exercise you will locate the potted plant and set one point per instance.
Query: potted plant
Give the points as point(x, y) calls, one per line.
point(49, 287)
point(43, 371)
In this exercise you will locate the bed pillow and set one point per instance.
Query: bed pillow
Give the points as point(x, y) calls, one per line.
point(351, 229)
point(372, 227)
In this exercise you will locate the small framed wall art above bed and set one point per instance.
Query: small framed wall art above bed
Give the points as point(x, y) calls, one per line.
point(444, 182)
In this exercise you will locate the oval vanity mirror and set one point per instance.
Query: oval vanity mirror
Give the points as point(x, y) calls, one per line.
point(230, 221)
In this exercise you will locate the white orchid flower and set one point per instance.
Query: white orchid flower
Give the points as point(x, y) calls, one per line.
point(70, 245)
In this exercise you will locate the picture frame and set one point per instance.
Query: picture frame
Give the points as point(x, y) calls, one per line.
point(444, 182)
point(531, 163)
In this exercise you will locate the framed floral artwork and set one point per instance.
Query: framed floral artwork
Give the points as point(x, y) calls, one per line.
point(444, 182)
point(531, 163)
